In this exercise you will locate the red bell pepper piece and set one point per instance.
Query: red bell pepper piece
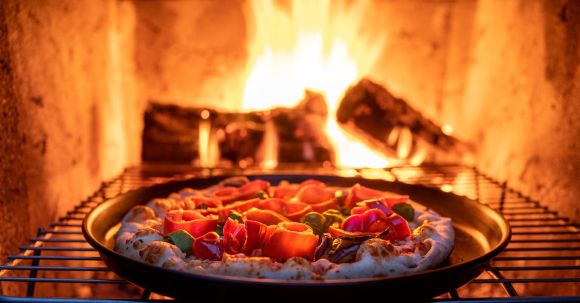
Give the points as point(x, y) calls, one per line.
point(324, 206)
point(227, 195)
point(191, 221)
point(291, 210)
point(290, 239)
point(208, 247)
point(314, 194)
point(256, 232)
point(209, 202)
point(360, 193)
point(265, 216)
point(251, 189)
point(234, 236)
point(312, 182)
point(240, 206)
point(286, 192)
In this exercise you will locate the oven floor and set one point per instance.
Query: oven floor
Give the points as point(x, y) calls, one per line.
point(540, 264)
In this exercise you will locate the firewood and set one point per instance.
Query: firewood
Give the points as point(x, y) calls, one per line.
point(391, 126)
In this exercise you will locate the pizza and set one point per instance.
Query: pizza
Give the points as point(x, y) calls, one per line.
point(288, 231)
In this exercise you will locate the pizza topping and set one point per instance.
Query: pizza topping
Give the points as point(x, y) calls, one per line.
point(342, 249)
point(208, 247)
point(405, 210)
point(181, 239)
point(316, 221)
point(291, 210)
point(321, 222)
point(235, 236)
point(189, 220)
point(290, 239)
point(314, 194)
point(239, 206)
point(265, 216)
point(256, 232)
point(360, 193)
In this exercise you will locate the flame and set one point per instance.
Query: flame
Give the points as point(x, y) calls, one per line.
point(311, 45)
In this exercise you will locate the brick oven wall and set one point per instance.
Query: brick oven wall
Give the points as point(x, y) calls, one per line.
point(69, 115)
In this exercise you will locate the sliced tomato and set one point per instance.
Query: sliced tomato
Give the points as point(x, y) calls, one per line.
point(360, 193)
point(290, 239)
point(240, 206)
point(314, 194)
point(234, 236)
point(256, 232)
point(190, 221)
point(251, 189)
point(357, 210)
point(208, 247)
point(265, 216)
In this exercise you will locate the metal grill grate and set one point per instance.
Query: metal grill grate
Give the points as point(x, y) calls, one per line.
point(543, 257)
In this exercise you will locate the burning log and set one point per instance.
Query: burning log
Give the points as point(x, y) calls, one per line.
point(282, 135)
point(393, 127)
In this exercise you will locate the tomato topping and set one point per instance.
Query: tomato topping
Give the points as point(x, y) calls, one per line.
point(208, 246)
point(372, 223)
point(290, 239)
point(291, 210)
point(314, 194)
point(256, 232)
point(265, 216)
point(191, 221)
point(240, 206)
point(360, 193)
point(234, 236)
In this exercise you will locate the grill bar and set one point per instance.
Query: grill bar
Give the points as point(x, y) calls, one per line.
point(540, 235)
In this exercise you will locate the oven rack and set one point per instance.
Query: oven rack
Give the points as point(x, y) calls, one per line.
point(540, 264)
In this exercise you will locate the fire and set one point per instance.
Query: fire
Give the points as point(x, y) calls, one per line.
point(311, 45)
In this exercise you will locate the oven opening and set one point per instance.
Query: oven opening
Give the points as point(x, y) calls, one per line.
point(476, 98)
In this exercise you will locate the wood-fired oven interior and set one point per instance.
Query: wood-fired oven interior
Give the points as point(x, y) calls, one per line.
point(80, 79)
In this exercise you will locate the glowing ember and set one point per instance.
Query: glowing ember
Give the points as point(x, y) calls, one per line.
point(307, 46)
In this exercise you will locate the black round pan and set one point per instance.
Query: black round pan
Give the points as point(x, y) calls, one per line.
point(481, 234)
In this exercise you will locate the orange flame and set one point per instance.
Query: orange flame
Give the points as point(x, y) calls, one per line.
point(313, 45)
